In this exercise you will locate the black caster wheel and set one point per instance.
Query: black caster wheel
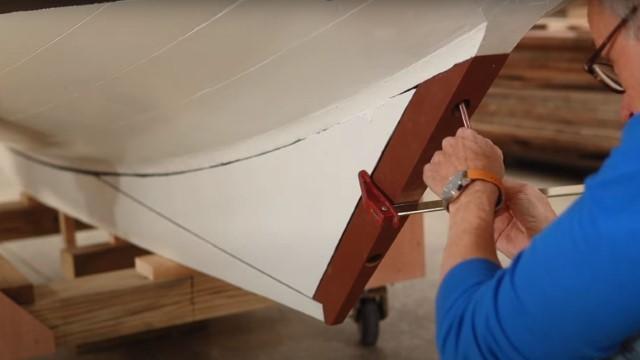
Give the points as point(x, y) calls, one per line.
point(368, 318)
point(370, 311)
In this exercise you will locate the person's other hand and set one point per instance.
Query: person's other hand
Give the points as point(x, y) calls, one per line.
point(466, 150)
point(527, 211)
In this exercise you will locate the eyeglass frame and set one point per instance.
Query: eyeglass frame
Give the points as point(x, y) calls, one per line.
point(592, 61)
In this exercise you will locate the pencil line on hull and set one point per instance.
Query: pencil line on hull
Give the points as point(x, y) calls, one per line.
point(150, 174)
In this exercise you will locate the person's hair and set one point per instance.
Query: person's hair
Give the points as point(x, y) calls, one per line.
point(621, 8)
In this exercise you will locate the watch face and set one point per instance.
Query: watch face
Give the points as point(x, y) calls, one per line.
point(454, 186)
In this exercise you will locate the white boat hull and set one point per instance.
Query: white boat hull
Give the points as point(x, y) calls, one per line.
point(227, 135)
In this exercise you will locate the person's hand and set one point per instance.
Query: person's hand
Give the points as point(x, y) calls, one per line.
point(527, 211)
point(466, 150)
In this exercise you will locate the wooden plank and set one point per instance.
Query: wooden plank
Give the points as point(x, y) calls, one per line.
point(531, 122)
point(119, 303)
point(551, 62)
point(21, 335)
point(27, 218)
point(215, 298)
point(93, 259)
point(405, 260)
point(68, 230)
point(156, 267)
point(14, 284)
point(23, 219)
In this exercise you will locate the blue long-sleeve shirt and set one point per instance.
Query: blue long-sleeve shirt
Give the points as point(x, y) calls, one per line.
point(573, 294)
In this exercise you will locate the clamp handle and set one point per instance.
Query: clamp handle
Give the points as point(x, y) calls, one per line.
point(376, 202)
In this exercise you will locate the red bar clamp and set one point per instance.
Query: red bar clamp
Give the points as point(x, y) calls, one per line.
point(376, 202)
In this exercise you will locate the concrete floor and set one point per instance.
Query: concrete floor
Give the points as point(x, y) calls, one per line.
point(277, 332)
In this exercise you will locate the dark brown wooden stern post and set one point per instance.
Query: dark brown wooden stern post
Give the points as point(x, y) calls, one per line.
point(429, 117)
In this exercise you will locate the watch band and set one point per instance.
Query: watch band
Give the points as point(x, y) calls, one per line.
point(478, 174)
point(459, 182)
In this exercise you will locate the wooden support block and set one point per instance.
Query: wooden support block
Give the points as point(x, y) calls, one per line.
point(68, 230)
point(156, 267)
point(93, 259)
point(214, 298)
point(21, 335)
point(117, 240)
point(13, 284)
point(118, 303)
point(21, 219)
point(27, 218)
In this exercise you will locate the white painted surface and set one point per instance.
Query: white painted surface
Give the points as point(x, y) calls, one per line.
point(36, 36)
point(185, 86)
point(508, 21)
point(279, 103)
point(92, 200)
point(282, 217)
point(287, 209)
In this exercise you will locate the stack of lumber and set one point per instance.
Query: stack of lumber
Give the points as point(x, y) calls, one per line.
point(544, 106)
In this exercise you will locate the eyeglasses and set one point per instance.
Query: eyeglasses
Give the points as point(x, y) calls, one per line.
point(602, 70)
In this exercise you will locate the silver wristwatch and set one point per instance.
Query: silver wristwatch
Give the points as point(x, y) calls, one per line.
point(458, 182)
point(454, 187)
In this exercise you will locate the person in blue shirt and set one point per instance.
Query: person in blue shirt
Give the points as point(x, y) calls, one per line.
point(572, 290)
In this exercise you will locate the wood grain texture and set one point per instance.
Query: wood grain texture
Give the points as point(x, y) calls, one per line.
point(14, 284)
point(21, 335)
point(23, 219)
point(68, 230)
point(27, 218)
point(156, 267)
point(93, 259)
point(543, 106)
point(405, 259)
point(120, 303)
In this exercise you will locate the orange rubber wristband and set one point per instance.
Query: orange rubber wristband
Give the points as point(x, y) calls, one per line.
point(477, 174)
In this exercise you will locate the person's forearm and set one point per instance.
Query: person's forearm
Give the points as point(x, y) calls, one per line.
point(471, 226)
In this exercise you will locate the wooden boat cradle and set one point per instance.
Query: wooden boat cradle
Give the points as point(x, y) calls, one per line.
point(115, 289)
point(104, 296)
